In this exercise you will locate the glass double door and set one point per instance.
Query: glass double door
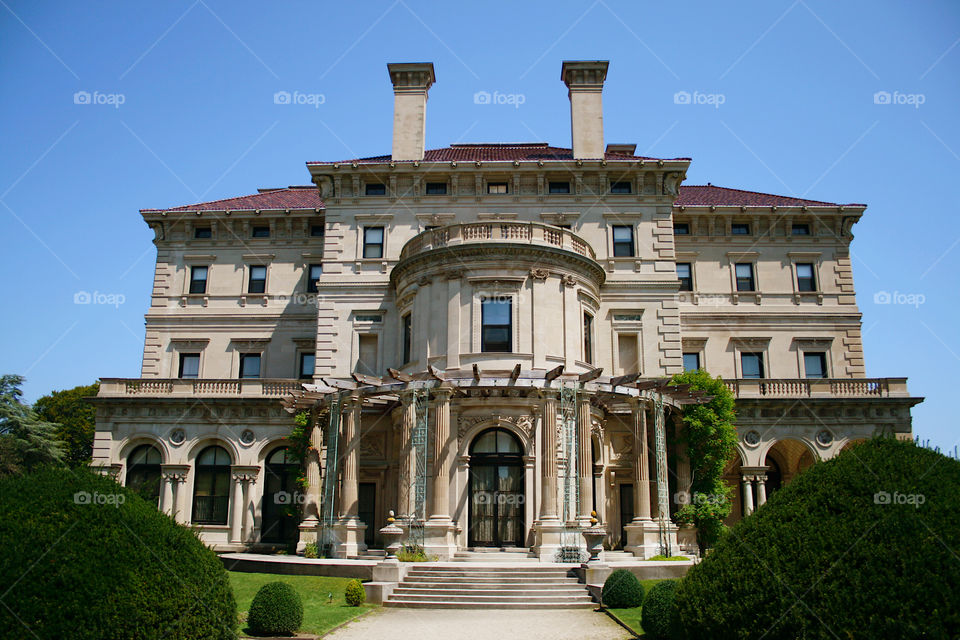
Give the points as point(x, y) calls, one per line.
point(496, 504)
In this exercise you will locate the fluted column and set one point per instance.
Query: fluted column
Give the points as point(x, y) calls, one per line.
point(350, 489)
point(440, 504)
point(761, 490)
point(548, 458)
point(166, 496)
point(408, 465)
point(236, 505)
point(311, 509)
point(584, 458)
point(641, 492)
point(747, 495)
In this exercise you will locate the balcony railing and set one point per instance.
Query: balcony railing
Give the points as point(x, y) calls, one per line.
point(533, 233)
point(207, 387)
point(818, 387)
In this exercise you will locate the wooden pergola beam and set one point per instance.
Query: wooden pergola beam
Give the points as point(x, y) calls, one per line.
point(435, 373)
point(365, 379)
point(623, 380)
point(515, 374)
point(396, 375)
point(553, 374)
point(476, 372)
point(339, 384)
point(593, 374)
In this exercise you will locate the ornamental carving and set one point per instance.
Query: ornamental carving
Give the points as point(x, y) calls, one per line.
point(372, 448)
point(568, 281)
point(524, 424)
point(539, 274)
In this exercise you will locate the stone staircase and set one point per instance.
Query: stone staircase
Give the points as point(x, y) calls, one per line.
point(472, 585)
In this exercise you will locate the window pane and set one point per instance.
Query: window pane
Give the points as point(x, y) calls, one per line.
point(436, 188)
point(497, 187)
point(588, 338)
point(496, 312)
point(376, 189)
point(506, 443)
point(307, 361)
point(258, 279)
point(751, 365)
point(622, 234)
point(198, 279)
point(261, 232)
point(622, 241)
point(313, 274)
point(407, 337)
point(691, 361)
point(486, 443)
point(681, 229)
point(740, 229)
point(373, 242)
point(189, 365)
point(744, 271)
point(316, 231)
point(250, 365)
point(620, 187)
point(202, 232)
point(801, 229)
point(815, 365)
point(805, 280)
point(683, 269)
point(559, 187)
point(214, 456)
point(367, 360)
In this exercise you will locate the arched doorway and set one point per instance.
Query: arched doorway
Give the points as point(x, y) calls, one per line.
point(143, 472)
point(496, 490)
point(280, 498)
point(211, 487)
point(785, 459)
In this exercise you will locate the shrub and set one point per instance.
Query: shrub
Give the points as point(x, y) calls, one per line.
point(93, 560)
point(842, 551)
point(276, 610)
point(412, 553)
point(663, 558)
point(354, 593)
point(622, 590)
point(311, 550)
point(658, 609)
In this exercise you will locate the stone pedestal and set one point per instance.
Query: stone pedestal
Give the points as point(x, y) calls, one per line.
point(548, 539)
point(643, 538)
point(438, 538)
point(348, 537)
point(309, 533)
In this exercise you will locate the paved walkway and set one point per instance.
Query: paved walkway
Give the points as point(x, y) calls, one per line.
point(482, 624)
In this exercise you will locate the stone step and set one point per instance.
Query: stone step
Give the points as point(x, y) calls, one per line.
point(442, 593)
point(481, 580)
point(481, 599)
point(488, 572)
point(442, 604)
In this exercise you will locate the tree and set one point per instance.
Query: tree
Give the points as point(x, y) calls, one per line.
point(711, 440)
point(75, 419)
point(26, 441)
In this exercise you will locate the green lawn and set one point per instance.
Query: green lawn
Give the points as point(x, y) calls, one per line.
point(631, 616)
point(319, 614)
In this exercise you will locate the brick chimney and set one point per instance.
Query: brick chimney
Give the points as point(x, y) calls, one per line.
point(584, 79)
point(411, 82)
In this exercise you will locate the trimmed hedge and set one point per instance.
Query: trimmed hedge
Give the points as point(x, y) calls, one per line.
point(658, 610)
point(276, 610)
point(855, 547)
point(621, 590)
point(354, 593)
point(86, 558)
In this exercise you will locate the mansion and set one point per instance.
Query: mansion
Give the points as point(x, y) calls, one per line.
point(480, 338)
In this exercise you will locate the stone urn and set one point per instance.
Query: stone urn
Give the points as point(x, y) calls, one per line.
point(391, 535)
point(594, 536)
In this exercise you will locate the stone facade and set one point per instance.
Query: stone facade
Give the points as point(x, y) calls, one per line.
point(520, 290)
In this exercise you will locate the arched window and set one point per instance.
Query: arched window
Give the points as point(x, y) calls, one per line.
point(211, 488)
point(281, 498)
point(143, 472)
point(496, 490)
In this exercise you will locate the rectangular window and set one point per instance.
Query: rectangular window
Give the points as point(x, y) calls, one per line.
point(202, 232)
point(620, 187)
point(568, 227)
point(691, 361)
point(367, 359)
point(805, 279)
point(628, 353)
point(815, 364)
point(249, 365)
point(373, 242)
point(685, 274)
point(622, 241)
point(258, 279)
point(261, 232)
point(198, 279)
point(740, 229)
point(588, 338)
point(436, 188)
point(744, 271)
point(559, 187)
point(496, 325)
point(307, 362)
point(316, 231)
point(314, 271)
point(407, 337)
point(375, 189)
point(189, 365)
point(800, 229)
point(751, 365)
point(497, 187)
point(681, 229)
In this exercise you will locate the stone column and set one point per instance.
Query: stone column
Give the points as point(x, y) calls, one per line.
point(548, 458)
point(407, 457)
point(173, 476)
point(236, 509)
point(641, 492)
point(761, 489)
point(250, 508)
point(440, 502)
point(166, 494)
point(747, 495)
point(311, 508)
point(584, 460)
point(349, 488)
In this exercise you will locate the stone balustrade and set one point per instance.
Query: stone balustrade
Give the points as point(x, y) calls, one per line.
point(532, 233)
point(198, 387)
point(818, 387)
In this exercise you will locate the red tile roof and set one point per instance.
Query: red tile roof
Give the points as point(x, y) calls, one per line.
point(710, 195)
point(295, 197)
point(505, 152)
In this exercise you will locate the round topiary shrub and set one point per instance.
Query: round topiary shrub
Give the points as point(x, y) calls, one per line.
point(658, 610)
point(622, 590)
point(276, 610)
point(354, 593)
point(86, 558)
point(855, 547)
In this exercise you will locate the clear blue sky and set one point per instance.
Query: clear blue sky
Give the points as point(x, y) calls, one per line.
point(198, 122)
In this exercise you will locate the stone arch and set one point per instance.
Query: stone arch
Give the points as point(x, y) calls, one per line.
point(791, 456)
point(269, 447)
point(202, 443)
point(138, 439)
point(852, 441)
point(468, 434)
